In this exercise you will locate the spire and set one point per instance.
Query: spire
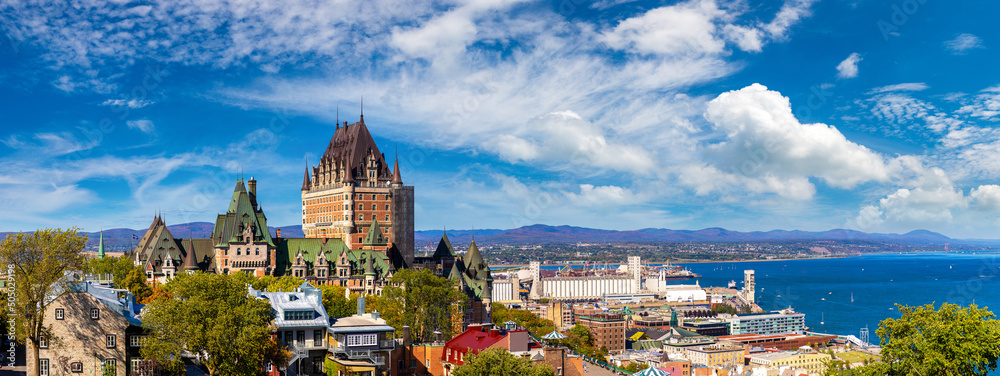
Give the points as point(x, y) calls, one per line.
point(305, 178)
point(396, 179)
point(362, 109)
point(189, 260)
point(100, 246)
point(369, 265)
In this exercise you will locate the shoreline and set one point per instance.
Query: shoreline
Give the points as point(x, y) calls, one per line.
point(678, 262)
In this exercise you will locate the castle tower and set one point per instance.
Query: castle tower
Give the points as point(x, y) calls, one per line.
point(351, 187)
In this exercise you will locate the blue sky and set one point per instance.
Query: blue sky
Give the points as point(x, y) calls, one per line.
point(797, 114)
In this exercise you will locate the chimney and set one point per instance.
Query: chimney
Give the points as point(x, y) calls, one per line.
point(324, 240)
point(406, 336)
point(361, 302)
point(278, 231)
point(252, 186)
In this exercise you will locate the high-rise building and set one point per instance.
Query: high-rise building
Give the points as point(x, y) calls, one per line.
point(352, 187)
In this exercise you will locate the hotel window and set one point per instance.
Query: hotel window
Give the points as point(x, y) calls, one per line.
point(60, 313)
point(135, 341)
point(110, 339)
point(95, 314)
point(256, 251)
point(361, 217)
point(317, 338)
point(362, 340)
point(361, 206)
point(387, 207)
point(43, 367)
point(386, 217)
point(43, 342)
point(76, 367)
point(110, 365)
point(135, 365)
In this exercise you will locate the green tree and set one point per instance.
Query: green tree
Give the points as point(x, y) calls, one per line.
point(421, 300)
point(336, 303)
point(499, 362)
point(38, 262)
point(636, 367)
point(285, 283)
point(118, 267)
point(213, 316)
point(952, 340)
point(135, 282)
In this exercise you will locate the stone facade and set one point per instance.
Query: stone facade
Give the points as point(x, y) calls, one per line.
point(81, 343)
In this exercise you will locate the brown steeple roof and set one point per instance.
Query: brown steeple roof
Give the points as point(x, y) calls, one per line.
point(349, 147)
point(305, 179)
point(396, 179)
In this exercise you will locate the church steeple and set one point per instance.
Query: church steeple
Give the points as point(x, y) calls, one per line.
point(100, 246)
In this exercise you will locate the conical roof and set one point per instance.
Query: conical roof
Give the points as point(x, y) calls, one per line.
point(374, 235)
point(100, 246)
point(444, 248)
point(189, 259)
point(396, 179)
point(305, 179)
point(369, 265)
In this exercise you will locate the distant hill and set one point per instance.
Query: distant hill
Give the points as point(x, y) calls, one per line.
point(542, 234)
point(121, 239)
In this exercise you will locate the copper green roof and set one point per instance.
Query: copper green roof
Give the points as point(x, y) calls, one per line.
point(243, 212)
point(311, 248)
point(444, 248)
point(374, 235)
point(369, 269)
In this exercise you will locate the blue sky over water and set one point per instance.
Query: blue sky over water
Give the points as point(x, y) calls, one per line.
point(798, 114)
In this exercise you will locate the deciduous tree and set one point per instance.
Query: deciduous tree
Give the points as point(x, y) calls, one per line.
point(499, 362)
point(38, 262)
point(952, 340)
point(213, 316)
point(421, 300)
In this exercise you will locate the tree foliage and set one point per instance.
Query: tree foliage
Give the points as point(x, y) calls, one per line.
point(213, 316)
point(636, 367)
point(421, 300)
point(952, 340)
point(126, 274)
point(39, 261)
point(534, 324)
point(499, 362)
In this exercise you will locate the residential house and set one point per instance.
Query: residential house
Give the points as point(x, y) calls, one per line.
point(360, 345)
point(95, 330)
point(301, 322)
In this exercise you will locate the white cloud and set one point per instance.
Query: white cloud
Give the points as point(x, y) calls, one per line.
point(130, 103)
point(985, 105)
point(565, 138)
point(686, 29)
point(963, 43)
point(764, 138)
point(986, 197)
point(602, 196)
point(143, 125)
point(909, 86)
point(747, 38)
point(791, 12)
point(849, 67)
point(900, 108)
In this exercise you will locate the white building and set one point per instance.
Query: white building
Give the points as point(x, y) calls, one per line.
point(775, 322)
point(301, 323)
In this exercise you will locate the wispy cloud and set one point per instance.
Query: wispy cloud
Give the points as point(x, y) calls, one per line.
point(143, 125)
point(909, 86)
point(963, 43)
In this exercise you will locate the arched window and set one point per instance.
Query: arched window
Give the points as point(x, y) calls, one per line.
point(237, 251)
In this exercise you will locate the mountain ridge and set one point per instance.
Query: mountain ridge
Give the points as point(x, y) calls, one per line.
point(119, 239)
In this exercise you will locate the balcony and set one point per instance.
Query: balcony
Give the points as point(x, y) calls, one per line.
point(387, 344)
point(372, 356)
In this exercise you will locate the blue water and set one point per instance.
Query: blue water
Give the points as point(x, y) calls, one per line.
point(876, 281)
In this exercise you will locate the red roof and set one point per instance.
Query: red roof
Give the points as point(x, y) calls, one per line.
point(474, 340)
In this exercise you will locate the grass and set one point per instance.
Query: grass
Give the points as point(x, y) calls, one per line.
point(855, 356)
